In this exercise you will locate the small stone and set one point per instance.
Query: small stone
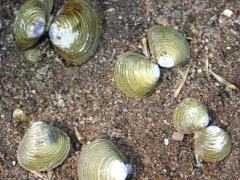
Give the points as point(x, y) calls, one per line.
point(166, 141)
point(227, 13)
point(125, 110)
point(177, 136)
point(14, 163)
point(199, 71)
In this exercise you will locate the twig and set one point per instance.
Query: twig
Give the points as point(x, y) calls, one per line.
point(223, 81)
point(39, 175)
point(145, 47)
point(77, 134)
point(178, 90)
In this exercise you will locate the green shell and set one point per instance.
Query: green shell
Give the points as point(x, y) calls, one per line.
point(190, 115)
point(43, 147)
point(135, 76)
point(168, 46)
point(30, 22)
point(75, 32)
point(212, 144)
point(98, 159)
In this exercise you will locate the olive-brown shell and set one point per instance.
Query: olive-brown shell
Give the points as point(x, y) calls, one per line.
point(168, 46)
point(102, 160)
point(31, 21)
point(212, 144)
point(190, 115)
point(135, 76)
point(43, 147)
point(75, 32)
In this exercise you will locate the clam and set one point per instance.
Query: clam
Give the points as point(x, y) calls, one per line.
point(136, 76)
point(31, 21)
point(190, 115)
point(75, 32)
point(43, 147)
point(168, 47)
point(212, 144)
point(102, 160)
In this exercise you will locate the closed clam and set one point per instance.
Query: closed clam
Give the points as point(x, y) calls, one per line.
point(75, 32)
point(135, 76)
point(190, 115)
point(102, 160)
point(31, 21)
point(168, 47)
point(212, 144)
point(43, 147)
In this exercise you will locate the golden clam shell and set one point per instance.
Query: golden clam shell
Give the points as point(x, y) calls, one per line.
point(135, 76)
point(168, 46)
point(43, 147)
point(75, 32)
point(30, 22)
point(212, 144)
point(190, 115)
point(101, 160)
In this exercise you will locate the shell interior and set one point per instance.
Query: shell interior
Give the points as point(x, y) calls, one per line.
point(75, 32)
point(190, 115)
point(31, 21)
point(43, 147)
point(212, 145)
point(135, 76)
point(101, 160)
point(168, 46)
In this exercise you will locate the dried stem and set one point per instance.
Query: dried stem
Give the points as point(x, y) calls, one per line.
point(145, 48)
point(223, 81)
point(77, 134)
point(178, 90)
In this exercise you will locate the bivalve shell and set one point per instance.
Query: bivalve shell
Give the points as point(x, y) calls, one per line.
point(75, 32)
point(168, 46)
point(135, 76)
point(212, 144)
point(102, 160)
point(43, 147)
point(31, 21)
point(190, 115)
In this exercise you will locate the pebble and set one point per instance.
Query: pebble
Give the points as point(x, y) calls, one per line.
point(227, 13)
point(166, 141)
point(14, 163)
point(125, 110)
point(177, 136)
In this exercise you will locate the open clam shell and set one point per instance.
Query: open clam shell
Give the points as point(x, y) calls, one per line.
point(190, 115)
point(168, 46)
point(102, 160)
point(135, 76)
point(212, 144)
point(31, 21)
point(43, 147)
point(75, 32)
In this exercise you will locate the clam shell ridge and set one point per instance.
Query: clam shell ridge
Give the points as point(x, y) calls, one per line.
point(190, 115)
point(30, 22)
point(135, 76)
point(101, 160)
point(212, 145)
point(75, 32)
point(168, 46)
point(43, 147)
